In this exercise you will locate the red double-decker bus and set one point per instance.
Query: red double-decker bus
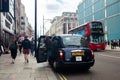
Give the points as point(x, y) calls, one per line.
point(94, 32)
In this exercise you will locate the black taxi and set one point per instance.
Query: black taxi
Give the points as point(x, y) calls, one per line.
point(66, 51)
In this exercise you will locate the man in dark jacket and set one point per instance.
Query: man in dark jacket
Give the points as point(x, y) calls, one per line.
point(26, 48)
point(48, 45)
point(85, 42)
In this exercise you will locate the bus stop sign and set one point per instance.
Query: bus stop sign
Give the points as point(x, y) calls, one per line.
point(4, 5)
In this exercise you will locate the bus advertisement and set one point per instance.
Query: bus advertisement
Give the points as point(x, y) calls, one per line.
point(94, 32)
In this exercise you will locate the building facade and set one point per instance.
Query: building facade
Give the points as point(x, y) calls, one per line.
point(26, 28)
point(107, 11)
point(22, 19)
point(18, 27)
point(61, 24)
point(7, 24)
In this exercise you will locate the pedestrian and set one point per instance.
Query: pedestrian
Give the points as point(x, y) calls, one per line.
point(48, 45)
point(0, 49)
point(20, 45)
point(108, 42)
point(119, 42)
point(6, 47)
point(85, 42)
point(26, 48)
point(32, 47)
point(111, 44)
point(13, 49)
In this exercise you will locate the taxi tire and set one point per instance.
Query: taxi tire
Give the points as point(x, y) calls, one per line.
point(55, 66)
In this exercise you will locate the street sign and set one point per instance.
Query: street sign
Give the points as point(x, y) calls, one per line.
point(4, 5)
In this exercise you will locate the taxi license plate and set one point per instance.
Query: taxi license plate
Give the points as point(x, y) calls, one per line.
point(78, 58)
point(77, 53)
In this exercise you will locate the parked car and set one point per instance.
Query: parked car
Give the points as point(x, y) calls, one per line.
point(67, 51)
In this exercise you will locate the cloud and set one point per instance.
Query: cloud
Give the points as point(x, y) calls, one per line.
point(52, 8)
point(59, 6)
point(60, 1)
point(70, 6)
point(49, 9)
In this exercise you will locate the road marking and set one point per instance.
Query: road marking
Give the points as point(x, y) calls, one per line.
point(62, 77)
point(110, 56)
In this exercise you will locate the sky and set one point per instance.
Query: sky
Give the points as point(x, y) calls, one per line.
point(49, 9)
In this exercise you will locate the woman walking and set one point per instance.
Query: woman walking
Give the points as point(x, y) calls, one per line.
point(13, 49)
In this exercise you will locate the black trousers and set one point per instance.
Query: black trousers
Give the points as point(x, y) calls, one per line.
point(13, 53)
point(20, 48)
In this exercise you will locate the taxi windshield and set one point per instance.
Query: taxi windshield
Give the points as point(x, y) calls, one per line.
point(71, 40)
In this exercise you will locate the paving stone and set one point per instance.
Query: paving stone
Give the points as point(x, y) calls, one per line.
point(22, 71)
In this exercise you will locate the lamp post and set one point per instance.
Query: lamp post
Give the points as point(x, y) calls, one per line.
point(35, 27)
point(0, 29)
point(44, 23)
point(15, 16)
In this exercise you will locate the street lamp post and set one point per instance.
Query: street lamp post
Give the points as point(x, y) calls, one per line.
point(35, 27)
point(0, 29)
point(44, 23)
point(15, 16)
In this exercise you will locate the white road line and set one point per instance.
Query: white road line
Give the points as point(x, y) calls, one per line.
point(109, 56)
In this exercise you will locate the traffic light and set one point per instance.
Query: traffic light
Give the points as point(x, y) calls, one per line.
point(4, 5)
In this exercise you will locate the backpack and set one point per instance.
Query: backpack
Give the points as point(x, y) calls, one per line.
point(26, 44)
point(12, 46)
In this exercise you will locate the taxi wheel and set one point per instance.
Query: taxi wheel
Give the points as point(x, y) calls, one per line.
point(55, 65)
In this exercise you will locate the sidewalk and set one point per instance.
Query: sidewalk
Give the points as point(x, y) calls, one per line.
point(108, 47)
point(22, 71)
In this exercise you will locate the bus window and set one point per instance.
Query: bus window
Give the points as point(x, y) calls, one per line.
point(97, 39)
point(96, 28)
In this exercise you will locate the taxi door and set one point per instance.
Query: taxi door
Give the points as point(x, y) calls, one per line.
point(41, 53)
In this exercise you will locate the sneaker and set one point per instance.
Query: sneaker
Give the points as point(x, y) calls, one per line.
point(12, 62)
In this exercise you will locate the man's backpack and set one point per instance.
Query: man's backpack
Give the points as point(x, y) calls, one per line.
point(26, 44)
point(13, 46)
